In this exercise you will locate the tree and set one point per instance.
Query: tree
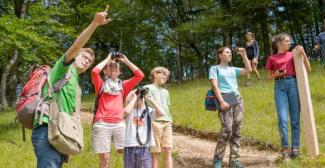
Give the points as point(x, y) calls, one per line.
point(26, 44)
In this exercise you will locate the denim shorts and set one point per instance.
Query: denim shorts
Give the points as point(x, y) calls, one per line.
point(137, 157)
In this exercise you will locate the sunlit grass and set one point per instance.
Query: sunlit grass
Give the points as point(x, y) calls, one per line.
point(18, 154)
point(260, 122)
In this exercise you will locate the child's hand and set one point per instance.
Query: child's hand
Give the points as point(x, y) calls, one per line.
point(224, 105)
point(133, 95)
point(100, 17)
point(278, 73)
point(149, 98)
point(241, 51)
point(122, 58)
point(299, 49)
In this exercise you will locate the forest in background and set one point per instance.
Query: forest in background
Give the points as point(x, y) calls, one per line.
point(178, 34)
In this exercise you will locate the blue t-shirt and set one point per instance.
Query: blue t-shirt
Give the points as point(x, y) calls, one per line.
point(321, 42)
point(226, 77)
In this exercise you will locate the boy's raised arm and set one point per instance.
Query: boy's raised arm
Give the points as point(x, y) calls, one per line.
point(100, 19)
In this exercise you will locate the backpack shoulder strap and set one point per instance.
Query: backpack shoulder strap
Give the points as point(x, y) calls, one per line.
point(60, 83)
point(97, 99)
point(78, 100)
point(217, 69)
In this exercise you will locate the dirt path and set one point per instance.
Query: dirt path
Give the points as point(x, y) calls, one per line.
point(194, 152)
point(197, 153)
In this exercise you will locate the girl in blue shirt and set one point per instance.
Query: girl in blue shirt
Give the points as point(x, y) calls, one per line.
point(224, 80)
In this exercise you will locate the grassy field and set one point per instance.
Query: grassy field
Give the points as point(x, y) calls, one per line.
point(260, 122)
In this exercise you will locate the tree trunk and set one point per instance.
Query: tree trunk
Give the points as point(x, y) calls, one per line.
point(311, 41)
point(199, 56)
point(301, 34)
point(227, 38)
point(315, 17)
point(20, 12)
point(265, 37)
point(179, 64)
point(4, 76)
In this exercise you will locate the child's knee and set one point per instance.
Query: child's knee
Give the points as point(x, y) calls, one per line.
point(167, 150)
point(104, 157)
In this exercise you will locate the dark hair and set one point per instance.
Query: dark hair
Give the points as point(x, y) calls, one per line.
point(218, 52)
point(276, 39)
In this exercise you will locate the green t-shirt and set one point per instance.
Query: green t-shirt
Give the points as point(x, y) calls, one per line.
point(68, 92)
point(161, 96)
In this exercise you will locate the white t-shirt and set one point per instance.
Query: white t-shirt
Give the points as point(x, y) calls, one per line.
point(131, 128)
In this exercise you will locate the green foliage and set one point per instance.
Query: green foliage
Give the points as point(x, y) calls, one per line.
point(35, 44)
point(180, 34)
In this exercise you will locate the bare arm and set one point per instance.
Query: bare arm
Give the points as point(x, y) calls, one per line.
point(316, 47)
point(303, 54)
point(224, 105)
point(100, 19)
point(155, 105)
point(132, 97)
point(128, 63)
point(102, 64)
point(248, 68)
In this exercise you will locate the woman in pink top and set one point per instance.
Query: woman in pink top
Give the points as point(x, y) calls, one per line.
point(280, 67)
point(108, 121)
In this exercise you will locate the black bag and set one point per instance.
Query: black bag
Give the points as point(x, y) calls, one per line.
point(213, 104)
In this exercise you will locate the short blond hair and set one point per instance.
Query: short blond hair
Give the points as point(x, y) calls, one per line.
point(158, 69)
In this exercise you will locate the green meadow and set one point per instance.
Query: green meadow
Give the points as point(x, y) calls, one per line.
point(260, 122)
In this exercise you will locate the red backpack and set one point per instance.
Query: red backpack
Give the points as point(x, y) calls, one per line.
point(30, 99)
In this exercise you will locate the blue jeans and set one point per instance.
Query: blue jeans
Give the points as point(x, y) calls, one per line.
point(137, 157)
point(287, 99)
point(47, 156)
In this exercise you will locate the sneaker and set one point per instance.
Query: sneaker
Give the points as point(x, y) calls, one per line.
point(235, 164)
point(285, 156)
point(248, 82)
point(217, 163)
point(294, 153)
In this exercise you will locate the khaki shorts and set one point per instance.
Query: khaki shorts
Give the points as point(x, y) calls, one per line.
point(103, 133)
point(163, 135)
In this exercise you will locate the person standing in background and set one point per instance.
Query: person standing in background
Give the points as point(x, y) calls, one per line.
point(253, 52)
